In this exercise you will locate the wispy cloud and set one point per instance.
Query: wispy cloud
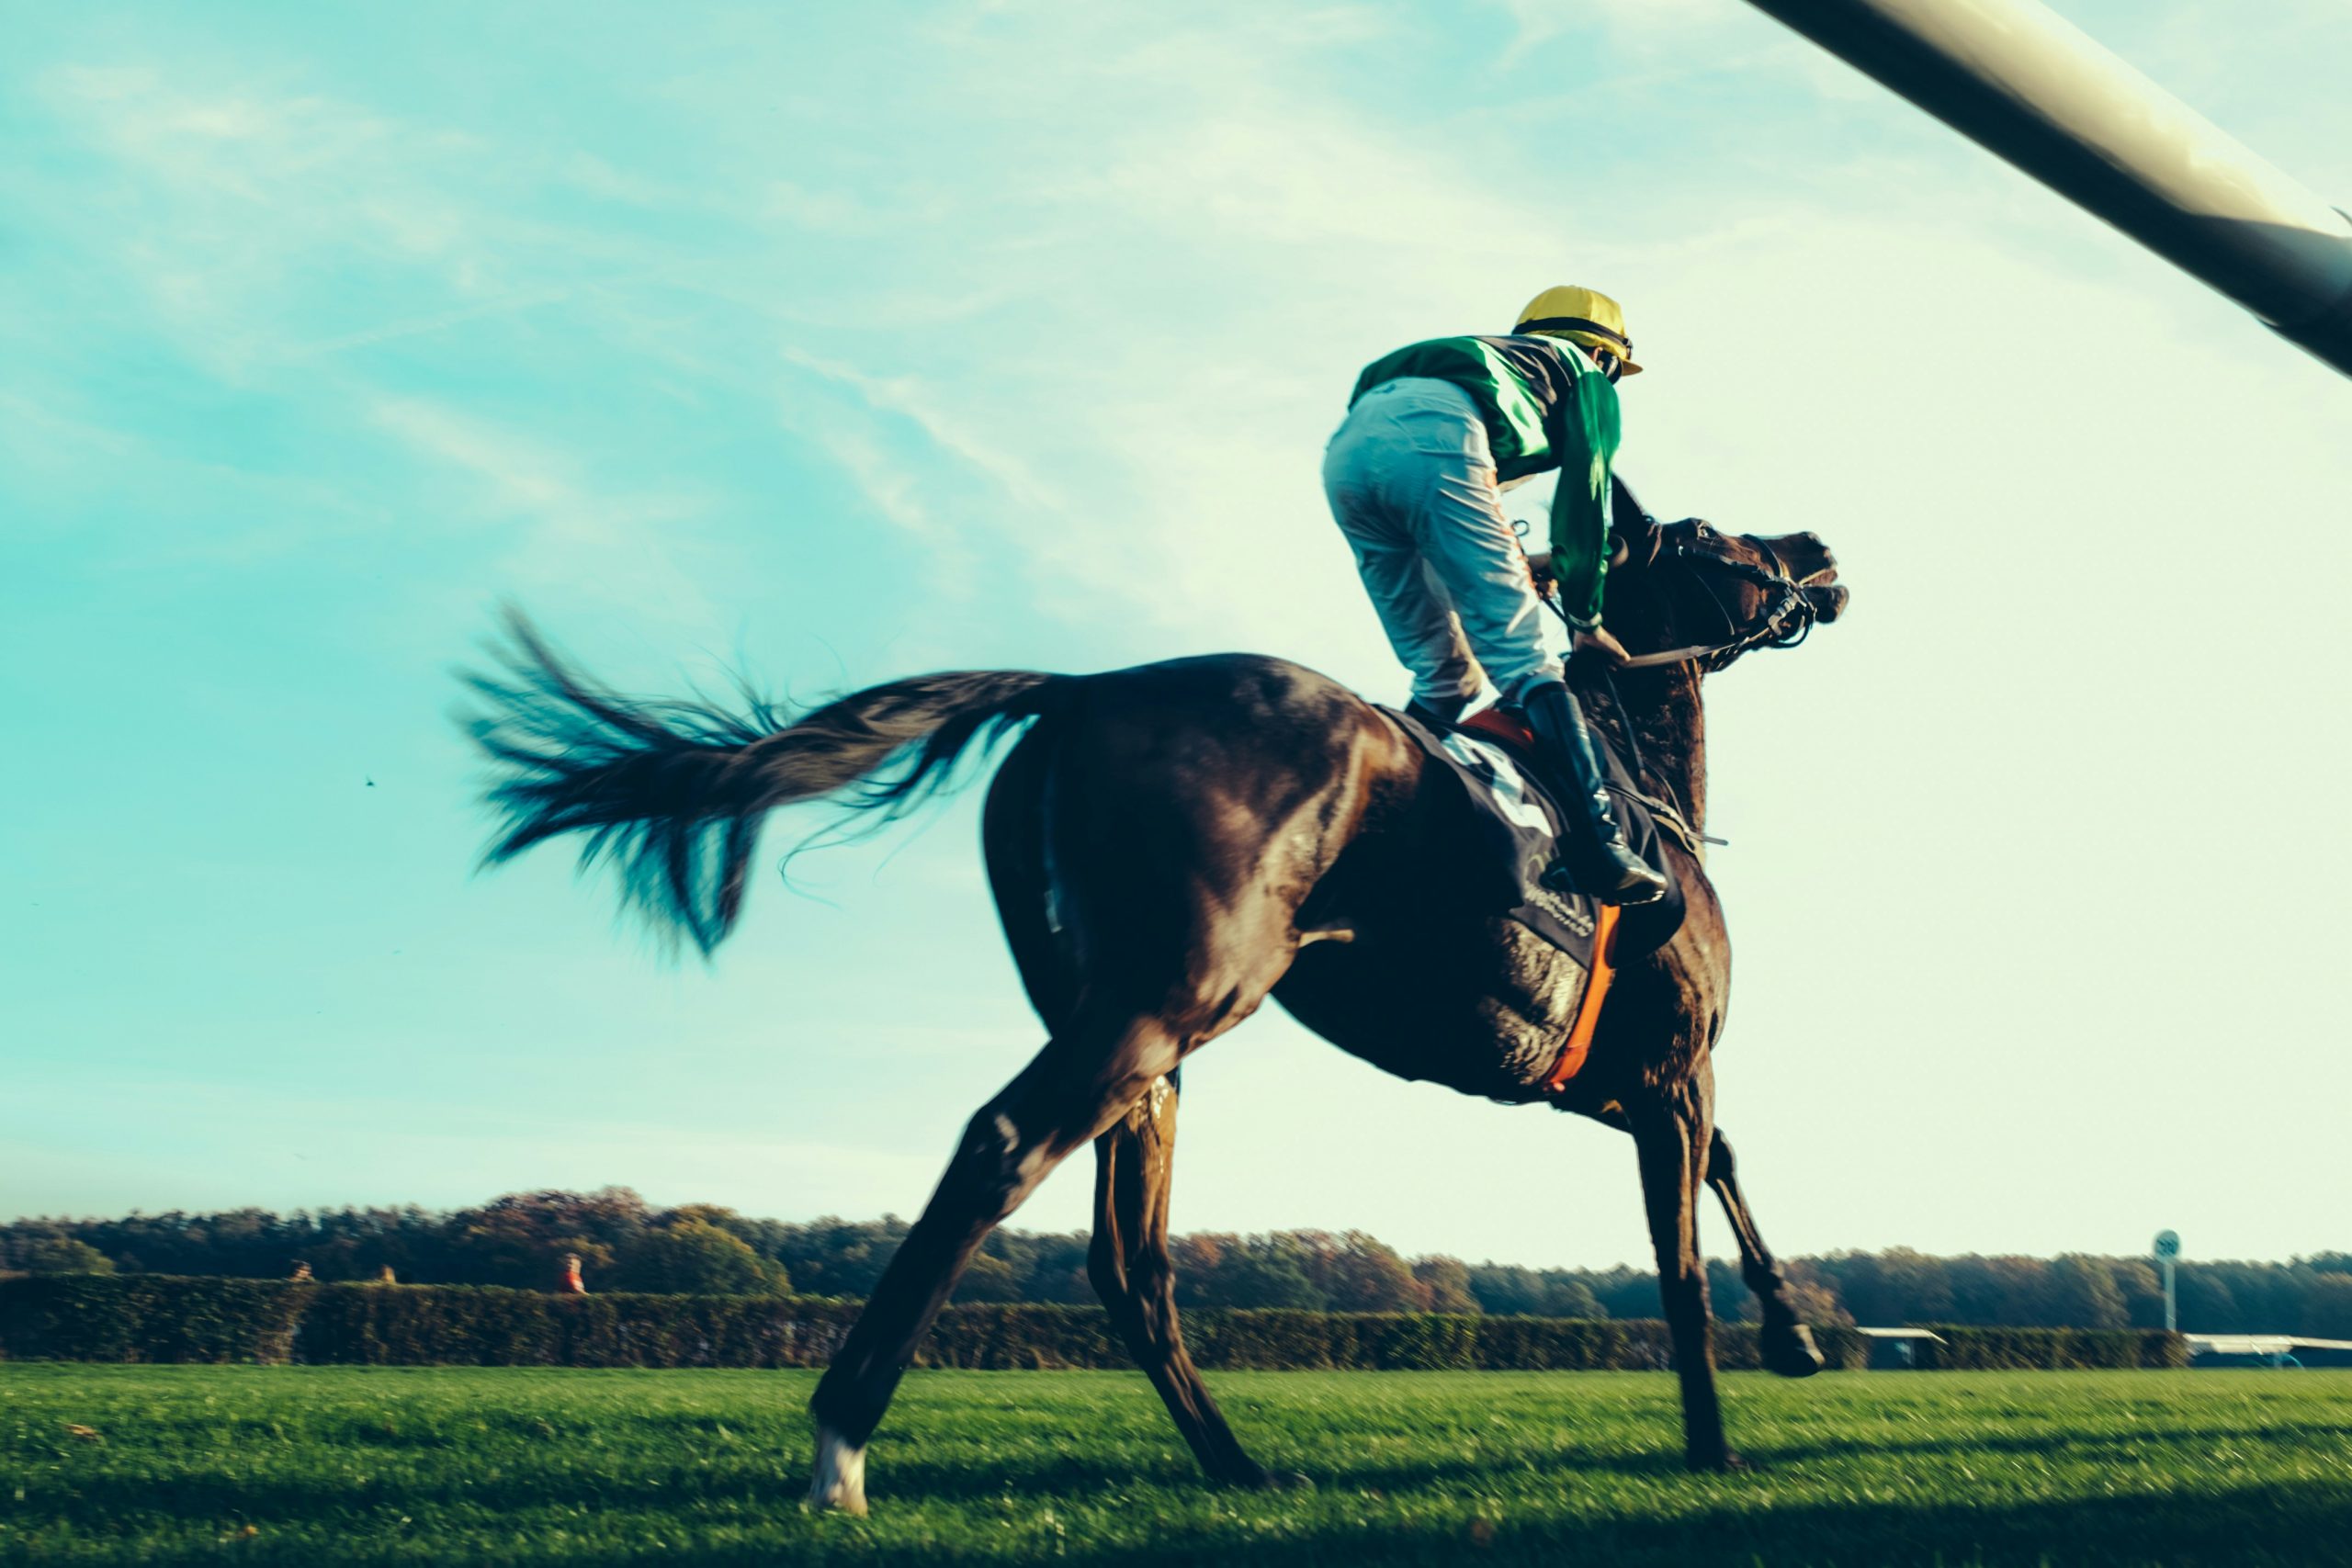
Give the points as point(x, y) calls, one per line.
point(607, 545)
point(908, 396)
point(1647, 24)
point(420, 326)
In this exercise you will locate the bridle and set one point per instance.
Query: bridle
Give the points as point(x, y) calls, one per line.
point(1785, 620)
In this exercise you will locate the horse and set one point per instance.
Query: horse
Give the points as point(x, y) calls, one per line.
point(1167, 847)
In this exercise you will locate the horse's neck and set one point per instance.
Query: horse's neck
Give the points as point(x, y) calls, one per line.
point(1670, 724)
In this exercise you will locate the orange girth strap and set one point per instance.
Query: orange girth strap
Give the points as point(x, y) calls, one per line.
point(1596, 992)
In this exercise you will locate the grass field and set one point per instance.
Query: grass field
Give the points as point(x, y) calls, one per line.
point(346, 1465)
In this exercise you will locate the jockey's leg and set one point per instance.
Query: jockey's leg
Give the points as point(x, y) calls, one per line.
point(1361, 469)
point(1609, 870)
point(1461, 529)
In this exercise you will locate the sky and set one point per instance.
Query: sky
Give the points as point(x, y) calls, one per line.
point(840, 344)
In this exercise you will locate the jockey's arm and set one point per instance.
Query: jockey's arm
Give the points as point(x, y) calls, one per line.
point(1595, 641)
point(1579, 555)
point(1585, 436)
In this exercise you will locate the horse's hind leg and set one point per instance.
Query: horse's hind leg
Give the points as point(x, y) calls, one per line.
point(1788, 1344)
point(1788, 1347)
point(1128, 1263)
point(1081, 1084)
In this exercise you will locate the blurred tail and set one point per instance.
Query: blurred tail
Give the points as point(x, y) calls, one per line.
point(672, 792)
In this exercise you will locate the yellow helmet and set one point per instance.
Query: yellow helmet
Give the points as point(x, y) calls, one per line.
point(1584, 316)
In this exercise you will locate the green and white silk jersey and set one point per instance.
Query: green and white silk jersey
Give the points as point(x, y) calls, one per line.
point(1546, 406)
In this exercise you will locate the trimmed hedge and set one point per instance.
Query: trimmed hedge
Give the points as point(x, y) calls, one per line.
point(149, 1317)
point(487, 1325)
point(160, 1318)
point(1437, 1341)
point(1968, 1348)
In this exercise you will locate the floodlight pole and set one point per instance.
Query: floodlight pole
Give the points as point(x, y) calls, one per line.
point(2033, 89)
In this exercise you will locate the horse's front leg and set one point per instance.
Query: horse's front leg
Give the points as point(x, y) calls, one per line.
point(1671, 1132)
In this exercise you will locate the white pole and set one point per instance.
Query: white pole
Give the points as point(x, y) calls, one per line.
point(2167, 1248)
point(2033, 89)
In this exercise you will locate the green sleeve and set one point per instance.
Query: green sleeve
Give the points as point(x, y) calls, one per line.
point(1586, 441)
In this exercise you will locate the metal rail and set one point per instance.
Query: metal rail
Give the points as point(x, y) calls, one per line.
point(2032, 87)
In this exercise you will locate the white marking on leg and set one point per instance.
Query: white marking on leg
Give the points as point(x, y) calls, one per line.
point(1057, 901)
point(1056, 914)
point(840, 1481)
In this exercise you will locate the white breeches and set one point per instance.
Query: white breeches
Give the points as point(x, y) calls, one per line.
point(1411, 482)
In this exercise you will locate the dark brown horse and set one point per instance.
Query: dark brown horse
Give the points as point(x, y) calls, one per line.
point(1171, 845)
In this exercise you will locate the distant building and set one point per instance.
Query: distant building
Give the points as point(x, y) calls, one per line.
point(2266, 1351)
point(1896, 1349)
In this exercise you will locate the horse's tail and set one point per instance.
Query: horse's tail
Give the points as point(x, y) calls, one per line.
point(673, 792)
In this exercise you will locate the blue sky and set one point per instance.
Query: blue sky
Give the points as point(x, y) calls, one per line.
point(860, 341)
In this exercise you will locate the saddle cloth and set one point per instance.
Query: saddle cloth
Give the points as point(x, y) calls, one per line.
point(1524, 821)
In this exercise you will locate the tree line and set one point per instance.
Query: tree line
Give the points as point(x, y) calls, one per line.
point(625, 1244)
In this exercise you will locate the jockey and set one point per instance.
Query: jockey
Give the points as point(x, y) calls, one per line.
point(1414, 475)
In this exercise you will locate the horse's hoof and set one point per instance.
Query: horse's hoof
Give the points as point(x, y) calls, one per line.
point(839, 1485)
point(1792, 1353)
point(1724, 1463)
point(1260, 1480)
point(834, 1499)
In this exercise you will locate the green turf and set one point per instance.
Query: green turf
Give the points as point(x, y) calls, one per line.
point(346, 1465)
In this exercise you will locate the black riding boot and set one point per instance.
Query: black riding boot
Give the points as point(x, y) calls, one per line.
point(1604, 865)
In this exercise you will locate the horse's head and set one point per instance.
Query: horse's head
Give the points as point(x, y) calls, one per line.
point(1689, 592)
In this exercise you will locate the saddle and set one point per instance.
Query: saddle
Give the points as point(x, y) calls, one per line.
point(1495, 757)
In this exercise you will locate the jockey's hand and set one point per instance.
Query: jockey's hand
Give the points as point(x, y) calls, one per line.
point(1599, 643)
